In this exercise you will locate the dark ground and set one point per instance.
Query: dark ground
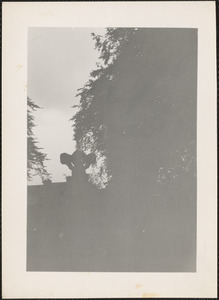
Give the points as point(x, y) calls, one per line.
point(75, 227)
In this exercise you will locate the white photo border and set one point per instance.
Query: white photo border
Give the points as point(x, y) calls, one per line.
point(17, 17)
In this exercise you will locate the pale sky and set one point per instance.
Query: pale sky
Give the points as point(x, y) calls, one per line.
point(59, 62)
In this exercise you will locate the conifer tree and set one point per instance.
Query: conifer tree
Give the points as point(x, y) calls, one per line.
point(35, 156)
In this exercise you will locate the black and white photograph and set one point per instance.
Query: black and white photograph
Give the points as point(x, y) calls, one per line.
point(109, 150)
point(112, 149)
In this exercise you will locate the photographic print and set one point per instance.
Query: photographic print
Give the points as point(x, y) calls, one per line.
point(115, 111)
point(109, 150)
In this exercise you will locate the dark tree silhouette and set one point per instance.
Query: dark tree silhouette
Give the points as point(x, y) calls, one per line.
point(138, 109)
point(35, 157)
point(90, 131)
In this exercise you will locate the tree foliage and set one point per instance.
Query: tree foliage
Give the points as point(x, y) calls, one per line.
point(90, 131)
point(137, 110)
point(35, 157)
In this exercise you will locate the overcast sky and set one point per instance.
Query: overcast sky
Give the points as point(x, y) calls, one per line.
point(59, 62)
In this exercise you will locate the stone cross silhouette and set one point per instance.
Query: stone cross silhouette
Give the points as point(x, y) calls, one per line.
point(78, 161)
